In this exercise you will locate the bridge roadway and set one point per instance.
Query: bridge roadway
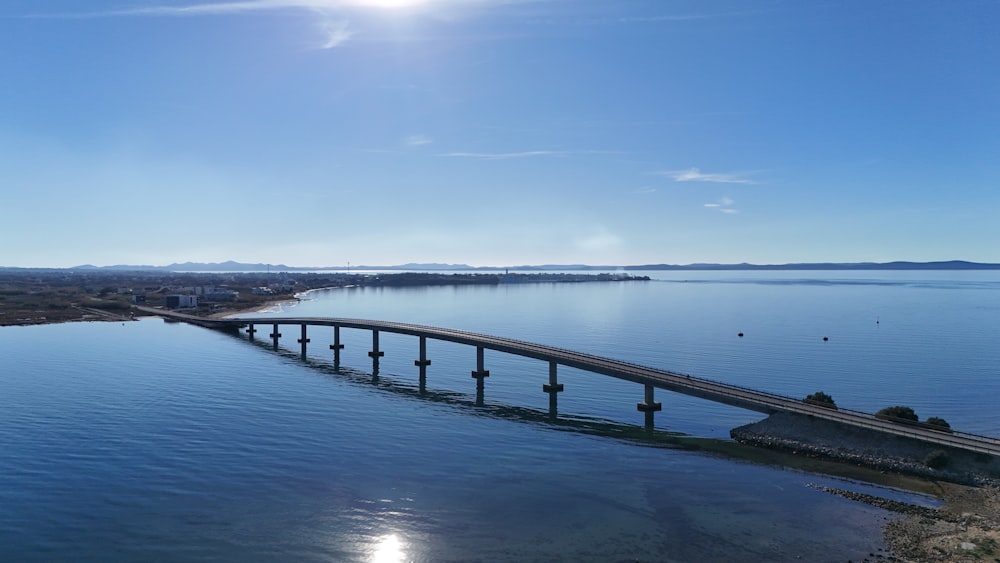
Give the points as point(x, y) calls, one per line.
point(759, 401)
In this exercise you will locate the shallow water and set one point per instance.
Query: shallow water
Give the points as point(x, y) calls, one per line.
point(928, 340)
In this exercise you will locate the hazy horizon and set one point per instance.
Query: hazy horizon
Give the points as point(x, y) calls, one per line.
point(956, 264)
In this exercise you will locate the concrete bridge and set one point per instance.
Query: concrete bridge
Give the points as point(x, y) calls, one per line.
point(650, 378)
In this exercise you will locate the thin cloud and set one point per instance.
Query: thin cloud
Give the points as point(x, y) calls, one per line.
point(242, 6)
point(654, 19)
point(332, 16)
point(657, 19)
point(724, 205)
point(503, 155)
point(223, 8)
point(418, 140)
point(202, 9)
point(681, 17)
point(337, 33)
point(333, 27)
point(696, 175)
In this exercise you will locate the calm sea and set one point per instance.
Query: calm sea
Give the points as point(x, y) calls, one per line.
point(158, 441)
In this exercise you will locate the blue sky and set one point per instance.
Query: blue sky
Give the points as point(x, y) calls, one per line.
point(487, 132)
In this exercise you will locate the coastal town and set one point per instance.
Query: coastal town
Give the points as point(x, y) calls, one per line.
point(41, 296)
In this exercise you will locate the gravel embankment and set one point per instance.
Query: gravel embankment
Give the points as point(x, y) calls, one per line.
point(830, 440)
point(965, 528)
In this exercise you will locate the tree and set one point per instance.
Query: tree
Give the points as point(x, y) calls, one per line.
point(936, 423)
point(898, 413)
point(821, 399)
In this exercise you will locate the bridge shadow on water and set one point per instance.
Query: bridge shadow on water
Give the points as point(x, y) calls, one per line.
point(552, 419)
point(476, 405)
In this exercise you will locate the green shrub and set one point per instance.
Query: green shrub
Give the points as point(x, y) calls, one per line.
point(936, 459)
point(821, 399)
point(898, 414)
point(935, 423)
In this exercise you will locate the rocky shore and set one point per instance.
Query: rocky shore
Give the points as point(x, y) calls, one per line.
point(966, 527)
point(830, 440)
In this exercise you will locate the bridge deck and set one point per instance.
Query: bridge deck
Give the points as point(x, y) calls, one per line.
point(733, 395)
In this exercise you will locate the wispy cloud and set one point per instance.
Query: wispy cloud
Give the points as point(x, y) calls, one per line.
point(724, 205)
point(680, 17)
point(204, 9)
point(652, 19)
point(503, 155)
point(336, 33)
point(673, 18)
point(418, 140)
point(208, 8)
point(696, 175)
point(331, 14)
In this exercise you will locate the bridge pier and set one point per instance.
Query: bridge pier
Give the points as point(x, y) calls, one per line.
point(422, 363)
point(480, 375)
point(553, 388)
point(250, 331)
point(649, 406)
point(303, 341)
point(275, 335)
point(375, 354)
point(336, 346)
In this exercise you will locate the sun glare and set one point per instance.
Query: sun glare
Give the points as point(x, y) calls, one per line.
point(389, 550)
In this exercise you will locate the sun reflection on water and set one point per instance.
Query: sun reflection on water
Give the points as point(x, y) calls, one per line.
point(389, 550)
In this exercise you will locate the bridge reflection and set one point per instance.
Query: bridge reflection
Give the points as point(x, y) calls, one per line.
point(398, 385)
point(649, 377)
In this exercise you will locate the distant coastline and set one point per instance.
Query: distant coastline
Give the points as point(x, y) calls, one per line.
point(232, 266)
point(30, 297)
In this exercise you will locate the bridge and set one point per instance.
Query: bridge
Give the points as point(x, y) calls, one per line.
point(650, 378)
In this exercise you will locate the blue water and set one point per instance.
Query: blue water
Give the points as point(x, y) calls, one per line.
point(928, 340)
point(168, 442)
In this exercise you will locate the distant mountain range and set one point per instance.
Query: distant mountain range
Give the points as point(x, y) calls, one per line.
point(231, 266)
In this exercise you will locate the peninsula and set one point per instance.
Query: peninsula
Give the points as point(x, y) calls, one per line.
point(41, 296)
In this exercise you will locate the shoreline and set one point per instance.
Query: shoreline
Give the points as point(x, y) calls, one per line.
point(31, 297)
point(259, 308)
point(825, 439)
point(966, 527)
